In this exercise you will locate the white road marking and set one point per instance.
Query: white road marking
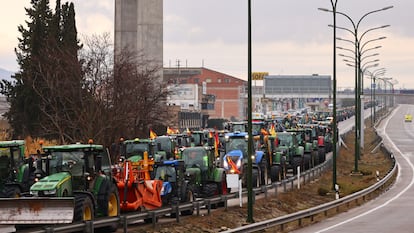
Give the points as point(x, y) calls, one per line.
point(392, 199)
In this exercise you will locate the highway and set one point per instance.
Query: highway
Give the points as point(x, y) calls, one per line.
point(392, 211)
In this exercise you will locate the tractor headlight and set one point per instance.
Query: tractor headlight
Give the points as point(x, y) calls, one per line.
point(34, 193)
point(225, 164)
point(238, 164)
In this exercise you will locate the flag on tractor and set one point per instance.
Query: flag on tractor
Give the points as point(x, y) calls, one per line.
point(216, 144)
point(264, 131)
point(152, 134)
point(272, 130)
point(170, 131)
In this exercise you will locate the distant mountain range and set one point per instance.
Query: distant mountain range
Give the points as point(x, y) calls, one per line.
point(5, 74)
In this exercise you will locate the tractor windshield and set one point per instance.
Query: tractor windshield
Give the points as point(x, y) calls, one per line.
point(239, 127)
point(6, 156)
point(67, 161)
point(166, 173)
point(285, 139)
point(236, 143)
point(195, 158)
point(137, 149)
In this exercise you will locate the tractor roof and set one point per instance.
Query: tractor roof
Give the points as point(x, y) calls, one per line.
point(73, 147)
point(138, 140)
point(12, 143)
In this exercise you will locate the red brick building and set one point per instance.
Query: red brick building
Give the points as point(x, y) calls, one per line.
point(228, 91)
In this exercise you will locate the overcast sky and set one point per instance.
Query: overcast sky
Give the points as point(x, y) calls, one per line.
point(288, 36)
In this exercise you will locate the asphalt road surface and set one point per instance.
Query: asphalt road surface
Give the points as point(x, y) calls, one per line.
point(393, 210)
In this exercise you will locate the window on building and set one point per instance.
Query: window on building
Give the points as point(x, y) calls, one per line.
point(208, 80)
point(219, 80)
point(196, 80)
point(226, 80)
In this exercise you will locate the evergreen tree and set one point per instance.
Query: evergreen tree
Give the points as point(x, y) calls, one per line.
point(24, 113)
point(47, 56)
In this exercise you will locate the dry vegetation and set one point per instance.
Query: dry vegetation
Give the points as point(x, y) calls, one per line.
point(309, 195)
point(32, 144)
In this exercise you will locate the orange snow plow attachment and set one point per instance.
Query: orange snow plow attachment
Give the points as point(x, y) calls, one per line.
point(136, 190)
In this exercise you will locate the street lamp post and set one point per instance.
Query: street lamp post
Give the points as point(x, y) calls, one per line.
point(373, 76)
point(357, 77)
point(249, 116)
point(334, 123)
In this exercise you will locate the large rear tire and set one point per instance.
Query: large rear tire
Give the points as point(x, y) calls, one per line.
point(315, 158)
point(296, 162)
point(222, 186)
point(307, 159)
point(189, 197)
point(255, 177)
point(322, 154)
point(108, 203)
point(275, 173)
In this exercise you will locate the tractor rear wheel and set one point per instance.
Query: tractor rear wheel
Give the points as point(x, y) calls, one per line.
point(307, 161)
point(296, 162)
point(84, 210)
point(275, 173)
point(255, 177)
point(108, 203)
point(189, 197)
point(322, 154)
point(222, 185)
point(315, 158)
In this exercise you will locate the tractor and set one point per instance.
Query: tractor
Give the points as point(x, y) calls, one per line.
point(175, 186)
point(288, 154)
point(235, 158)
point(166, 144)
point(206, 178)
point(78, 186)
point(134, 149)
point(16, 171)
point(136, 189)
point(303, 136)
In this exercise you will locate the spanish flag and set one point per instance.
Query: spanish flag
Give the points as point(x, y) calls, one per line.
point(264, 131)
point(272, 130)
point(216, 144)
point(169, 130)
point(152, 134)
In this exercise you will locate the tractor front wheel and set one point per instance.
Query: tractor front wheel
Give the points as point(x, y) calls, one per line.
point(84, 210)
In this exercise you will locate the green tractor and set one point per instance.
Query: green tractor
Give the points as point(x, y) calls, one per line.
point(287, 154)
point(78, 186)
point(304, 139)
point(206, 178)
point(134, 150)
point(166, 145)
point(16, 172)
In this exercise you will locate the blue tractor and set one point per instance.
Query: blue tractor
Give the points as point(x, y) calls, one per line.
point(235, 158)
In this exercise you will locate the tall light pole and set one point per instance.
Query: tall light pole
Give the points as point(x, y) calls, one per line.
point(357, 76)
point(334, 124)
point(373, 76)
point(249, 117)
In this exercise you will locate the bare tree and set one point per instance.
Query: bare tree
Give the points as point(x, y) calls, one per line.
point(97, 97)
